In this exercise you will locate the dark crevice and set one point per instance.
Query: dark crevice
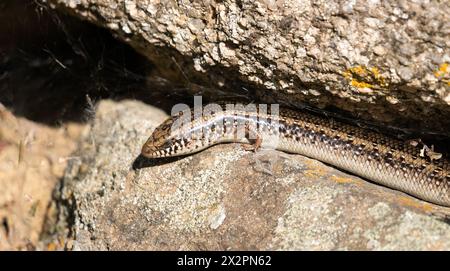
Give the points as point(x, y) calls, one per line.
point(5, 225)
point(51, 62)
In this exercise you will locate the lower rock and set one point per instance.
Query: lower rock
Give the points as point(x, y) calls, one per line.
point(226, 198)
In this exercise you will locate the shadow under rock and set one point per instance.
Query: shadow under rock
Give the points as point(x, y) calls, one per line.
point(55, 67)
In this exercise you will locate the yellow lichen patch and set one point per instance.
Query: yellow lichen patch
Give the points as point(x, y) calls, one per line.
point(314, 170)
point(365, 78)
point(314, 173)
point(414, 203)
point(443, 70)
point(443, 73)
point(358, 84)
point(343, 180)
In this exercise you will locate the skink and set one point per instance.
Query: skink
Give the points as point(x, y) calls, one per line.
point(384, 160)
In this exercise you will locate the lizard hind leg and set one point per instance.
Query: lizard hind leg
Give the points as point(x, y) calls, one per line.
point(254, 144)
point(253, 137)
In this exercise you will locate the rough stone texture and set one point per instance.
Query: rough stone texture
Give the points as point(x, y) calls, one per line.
point(33, 158)
point(381, 60)
point(228, 198)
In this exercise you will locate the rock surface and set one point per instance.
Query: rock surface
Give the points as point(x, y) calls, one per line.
point(33, 158)
point(386, 61)
point(227, 198)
